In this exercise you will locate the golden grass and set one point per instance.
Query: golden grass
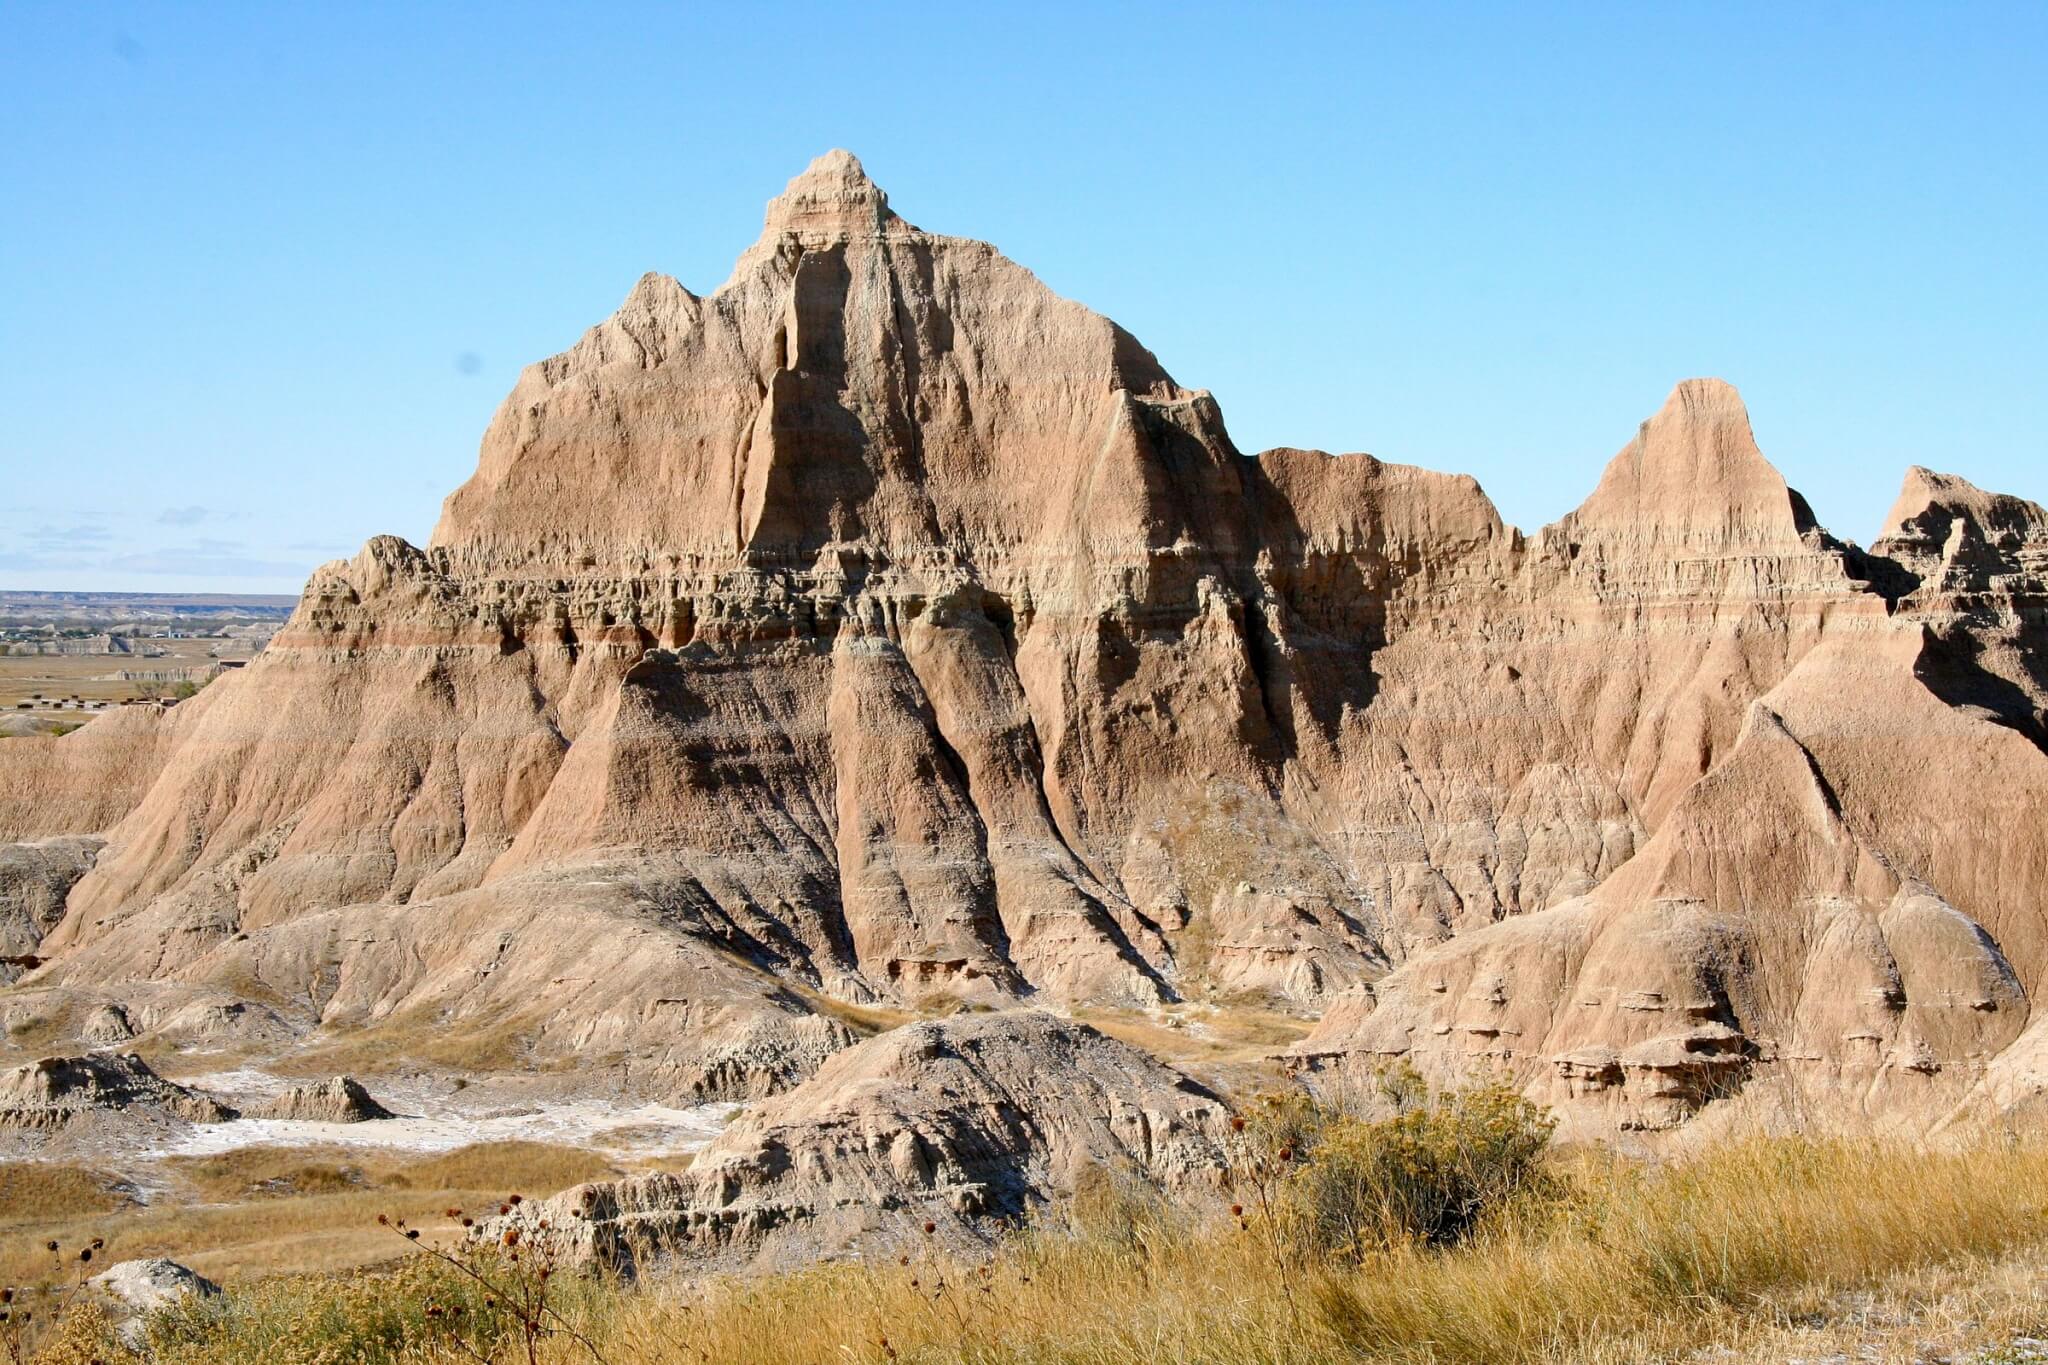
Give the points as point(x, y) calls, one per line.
point(1630, 1265)
point(267, 1210)
point(1767, 1249)
point(1230, 1049)
point(522, 1167)
point(36, 1191)
point(1196, 1034)
point(497, 1043)
point(865, 1020)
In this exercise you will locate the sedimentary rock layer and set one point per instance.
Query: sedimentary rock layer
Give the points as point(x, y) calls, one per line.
point(934, 1132)
point(883, 628)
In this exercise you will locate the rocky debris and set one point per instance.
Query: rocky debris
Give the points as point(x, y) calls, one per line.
point(884, 629)
point(140, 1288)
point(959, 1124)
point(339, 1100)
point(56, 1091)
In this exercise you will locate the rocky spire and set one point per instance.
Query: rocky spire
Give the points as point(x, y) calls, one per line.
point(832, 201)
point(1693, 475)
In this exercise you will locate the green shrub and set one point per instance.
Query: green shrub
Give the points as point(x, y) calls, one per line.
point(1426, 1169)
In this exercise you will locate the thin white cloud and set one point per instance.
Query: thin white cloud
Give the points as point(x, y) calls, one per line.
point(208, 558)
point(68, 537)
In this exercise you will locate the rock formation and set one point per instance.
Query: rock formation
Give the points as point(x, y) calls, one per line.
point(884, 629)
point(35, 878)
point(944, 1124)
point(58, 1090)
point(339, 1100)
point(136, 1289)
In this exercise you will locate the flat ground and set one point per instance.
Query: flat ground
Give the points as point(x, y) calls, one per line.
point(88, 677)
point(266, 1210)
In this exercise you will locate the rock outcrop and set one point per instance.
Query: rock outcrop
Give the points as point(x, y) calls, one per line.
point(883, 628)
point(138, 1288)
point(341, 1099)
point(952, 1125)
point(57, 1091)
point(35, 879)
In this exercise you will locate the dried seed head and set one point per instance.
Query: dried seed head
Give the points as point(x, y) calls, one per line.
point(1237, 1210)
point(930, 1228)
point(1236, 1124)
point(412, 1234)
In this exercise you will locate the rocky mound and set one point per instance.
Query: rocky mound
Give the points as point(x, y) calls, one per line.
point(959, 1123)
point(57, 1091)
point(339, 1100)
point(136, 1289)
point(883, 628)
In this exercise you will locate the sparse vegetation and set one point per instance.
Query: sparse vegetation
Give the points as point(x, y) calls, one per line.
point(1402, 1227)
point(37, 1191)
point(257, 1211)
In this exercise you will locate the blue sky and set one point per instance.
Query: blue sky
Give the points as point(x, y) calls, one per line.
point(265, 271)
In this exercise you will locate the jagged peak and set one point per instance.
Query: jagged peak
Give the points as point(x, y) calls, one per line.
point(1949, 496)
point(833, 200)
point(1694, 473)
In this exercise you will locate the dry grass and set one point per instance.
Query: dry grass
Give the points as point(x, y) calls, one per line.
point(865, 1020)
point(425, 1039)
point(1229, 1048)
point(1766, 1250)
point(527, 1167)
point(1631, 1264)
point(33, 1192)
point(262, 1211)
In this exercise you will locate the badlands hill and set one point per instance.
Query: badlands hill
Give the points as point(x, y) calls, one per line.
point(883, 629)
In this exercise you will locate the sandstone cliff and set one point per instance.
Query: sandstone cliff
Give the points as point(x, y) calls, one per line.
point(884, 629)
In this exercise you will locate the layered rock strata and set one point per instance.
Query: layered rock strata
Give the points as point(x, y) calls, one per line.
point(882, 628)
point(340, 1099)
point(56, 1091)
point(933, 1133)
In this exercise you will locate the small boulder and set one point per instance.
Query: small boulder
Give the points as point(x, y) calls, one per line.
point(340, 1100)
point(107, 1025)
point(139, 1288)
point(157, 1282)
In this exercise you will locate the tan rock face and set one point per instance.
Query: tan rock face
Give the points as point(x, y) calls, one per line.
point(885, 627)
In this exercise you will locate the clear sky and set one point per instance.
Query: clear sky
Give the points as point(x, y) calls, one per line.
point(266, 270)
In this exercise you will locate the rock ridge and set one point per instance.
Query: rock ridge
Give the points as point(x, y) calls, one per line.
point(883, 629)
